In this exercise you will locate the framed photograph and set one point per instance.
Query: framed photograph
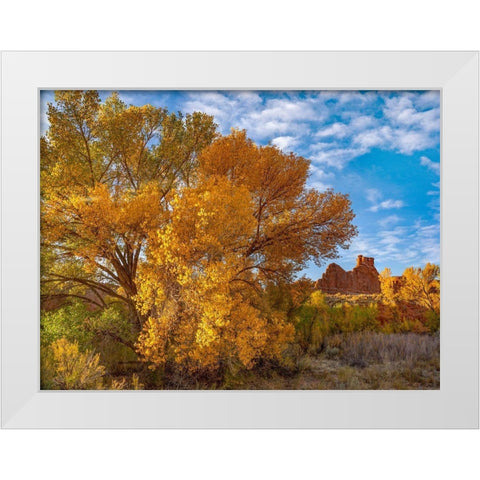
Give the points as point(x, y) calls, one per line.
point(240, 240)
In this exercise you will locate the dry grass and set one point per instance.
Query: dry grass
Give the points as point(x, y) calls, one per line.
point(362, 349)
point(360, 361)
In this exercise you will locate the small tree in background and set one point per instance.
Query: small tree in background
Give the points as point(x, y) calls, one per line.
point(422, 286)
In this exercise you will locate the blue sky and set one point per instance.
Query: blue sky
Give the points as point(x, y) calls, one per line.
point(380, 147)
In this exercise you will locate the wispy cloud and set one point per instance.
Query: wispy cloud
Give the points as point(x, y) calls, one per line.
point(389, 220)
point(373, 195)
point(386, 205)
point(338, 130)
point(401, 140)
point(411, 245)
point(431, 165)
point(319, 178)
point(428, 240)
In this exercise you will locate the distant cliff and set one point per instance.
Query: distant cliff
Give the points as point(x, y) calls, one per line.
point(363, 278)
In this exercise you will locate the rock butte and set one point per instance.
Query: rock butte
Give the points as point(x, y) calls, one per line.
point(363, 278)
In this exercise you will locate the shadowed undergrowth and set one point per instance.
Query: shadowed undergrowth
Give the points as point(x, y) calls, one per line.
point(359, 361)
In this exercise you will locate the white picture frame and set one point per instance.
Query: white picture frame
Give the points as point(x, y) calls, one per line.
point(455, 74)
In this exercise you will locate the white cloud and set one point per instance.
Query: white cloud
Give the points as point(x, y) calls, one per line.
point(362, 121)
point(284, 116)
point(374, 138)
point(318, 172)
point(400, 139)
point(410, 121)
point(430, 164)
point(285, 143)
point(373, 195)
point(249, 98)
point(318, 185)
point(387, 204)
point(428, 240)
point(359, 98)
point(223, 107)
point(391, 238)
point(338, 130)
point(405, 127)
point(285, 109)
point(429, 99)
point(336, 157)
point(266, 129)
point(408, 142)
point(389, 220)
point(413, 245)
point(414, 109)
point(277, 117)
point(406, 110)
point(318, 177)
point(400, 110)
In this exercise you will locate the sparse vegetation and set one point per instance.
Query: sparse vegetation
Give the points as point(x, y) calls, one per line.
point(359, 361)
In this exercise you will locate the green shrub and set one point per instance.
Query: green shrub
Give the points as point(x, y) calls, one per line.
point(108, 331)
point(348, 318)
point(312, 323)
point(69, 322)
point(432, 321)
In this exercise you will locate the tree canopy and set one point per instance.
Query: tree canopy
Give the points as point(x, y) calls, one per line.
point(182, 225)
point(419, 286)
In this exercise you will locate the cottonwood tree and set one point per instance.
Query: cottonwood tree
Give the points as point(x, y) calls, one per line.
point(420, 286)
point(183, 226)
point(249, 220)
point(107, 173)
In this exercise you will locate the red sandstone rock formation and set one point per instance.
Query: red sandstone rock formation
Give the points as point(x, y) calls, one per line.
point(362, 279)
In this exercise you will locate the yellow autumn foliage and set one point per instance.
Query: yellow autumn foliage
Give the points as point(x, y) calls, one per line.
point(419, 286)
point(197, 289)
point(65, 367)
point(184, 227)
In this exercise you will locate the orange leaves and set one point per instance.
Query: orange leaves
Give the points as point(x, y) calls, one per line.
point(293, 224)
point(185, 227)
point(97, 220)
point(271, 176)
